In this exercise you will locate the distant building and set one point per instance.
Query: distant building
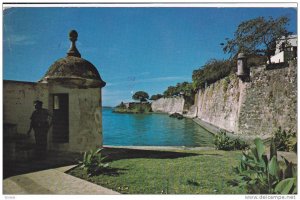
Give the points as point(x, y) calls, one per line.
point(71, 91)
point(286, 49)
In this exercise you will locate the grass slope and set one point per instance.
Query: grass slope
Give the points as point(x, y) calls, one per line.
point(172, 172)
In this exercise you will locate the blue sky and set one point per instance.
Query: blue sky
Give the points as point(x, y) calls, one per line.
point(133, 48)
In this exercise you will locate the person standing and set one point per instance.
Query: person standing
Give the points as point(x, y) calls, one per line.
point(40, 123)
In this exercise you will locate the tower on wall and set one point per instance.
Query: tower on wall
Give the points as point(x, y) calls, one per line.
point(71, 91)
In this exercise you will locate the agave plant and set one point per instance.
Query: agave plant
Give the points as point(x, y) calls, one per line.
point(262, 175)
point(93, 162)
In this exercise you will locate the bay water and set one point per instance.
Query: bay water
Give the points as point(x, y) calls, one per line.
point(152, 130)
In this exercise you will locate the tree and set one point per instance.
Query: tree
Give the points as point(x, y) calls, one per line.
point(156, 96)
point(212, 71)
point(140, 96)
point(257, 36)
point(171, 91)
point(187, 89)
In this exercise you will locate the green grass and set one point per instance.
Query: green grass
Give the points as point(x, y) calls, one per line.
point(172, 172)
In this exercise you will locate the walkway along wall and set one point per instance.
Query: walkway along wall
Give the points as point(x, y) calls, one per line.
point(254, 108)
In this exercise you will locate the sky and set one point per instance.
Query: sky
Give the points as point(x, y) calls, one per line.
point(133, 49)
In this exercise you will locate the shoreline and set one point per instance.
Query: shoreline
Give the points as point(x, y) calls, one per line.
point(216, 130)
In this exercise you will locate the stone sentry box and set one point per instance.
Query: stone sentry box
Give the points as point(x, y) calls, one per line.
point(242, 69)
point(71, 91)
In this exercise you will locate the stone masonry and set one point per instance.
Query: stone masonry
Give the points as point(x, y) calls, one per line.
point(253, 108)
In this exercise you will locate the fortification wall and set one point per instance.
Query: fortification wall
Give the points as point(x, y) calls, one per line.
point(218, 104)
point(253, 108)
point(168, 105)
point(270, 101)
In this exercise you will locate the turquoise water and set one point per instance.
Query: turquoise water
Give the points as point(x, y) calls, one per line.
point(152, 130)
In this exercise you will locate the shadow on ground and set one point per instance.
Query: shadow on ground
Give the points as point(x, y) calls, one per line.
point(124, 153)
point(59, 159)
point(54, 159)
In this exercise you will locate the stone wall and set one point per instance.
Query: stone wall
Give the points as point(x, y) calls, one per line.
point(85, 114)
point(253, 108)
point(218, 103)
point(18, 98)
point(168, 105)
point(85, 118)
point(270, 101)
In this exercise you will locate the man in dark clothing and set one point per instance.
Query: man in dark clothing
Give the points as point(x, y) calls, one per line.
point(40, 123)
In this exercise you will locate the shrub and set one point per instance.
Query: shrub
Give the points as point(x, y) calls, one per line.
point(92, 162)
point(121, 105)
point(185, 89)
point(223, 142)
point(212, 71)
point(156, 97)
point(239, 144)
point(260, 175)
point(285, 140)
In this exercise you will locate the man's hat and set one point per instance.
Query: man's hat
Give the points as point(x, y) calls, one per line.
point(37, 102)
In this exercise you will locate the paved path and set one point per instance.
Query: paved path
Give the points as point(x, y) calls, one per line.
point(52, 181)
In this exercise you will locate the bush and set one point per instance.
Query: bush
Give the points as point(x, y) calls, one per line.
point(260, 175)
point(121, 105)
point(212, 71)
point(223, 142)
point(156, 97)
point(239, 144)
point(92, 162)
point(184, 89)
point(285, 140)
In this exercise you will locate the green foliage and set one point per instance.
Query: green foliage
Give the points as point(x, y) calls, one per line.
point(134, 107)
point(223, 142)
point(171, 91)
point(285, 140)
point(211, 72)
point(156, 97)
point(260, 175)
point(184, 88)
point(140, 96)
point(92, 162)
point(121, 105)
point(239, 144)
point(257, 36)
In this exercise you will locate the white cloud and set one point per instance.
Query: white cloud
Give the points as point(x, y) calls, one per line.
point(12, 39)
